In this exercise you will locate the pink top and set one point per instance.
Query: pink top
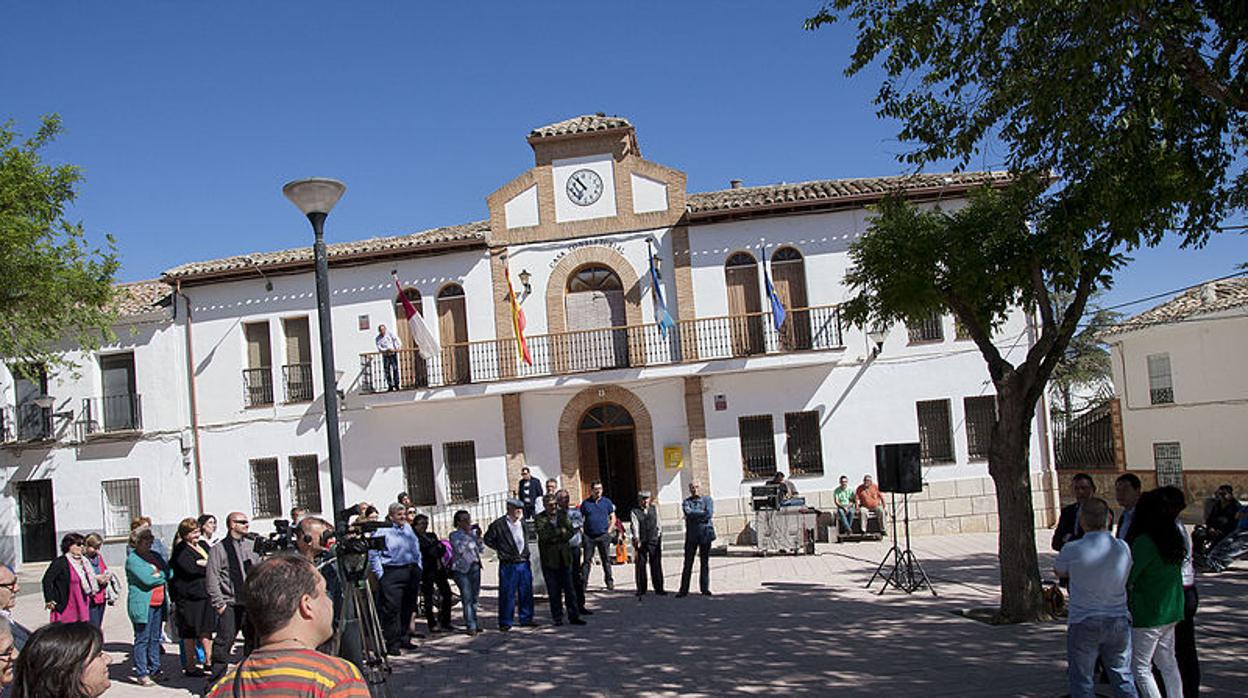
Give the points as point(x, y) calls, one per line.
point(77, 609)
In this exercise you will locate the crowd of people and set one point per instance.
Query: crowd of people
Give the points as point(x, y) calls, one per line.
point(1132, 585)
point(1131, 582)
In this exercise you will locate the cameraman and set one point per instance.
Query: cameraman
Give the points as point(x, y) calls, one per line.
point(311, 535)
point(397, 569)
point(229, 563)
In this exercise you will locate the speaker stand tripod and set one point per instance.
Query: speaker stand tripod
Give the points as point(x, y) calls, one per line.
point(907, 574)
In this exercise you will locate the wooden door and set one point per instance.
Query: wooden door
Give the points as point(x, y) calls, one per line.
point(587, 471)
point(788, 276)
point(38, 520)
point(593, 306)
point(453, 335)
point(744, 305)
point(413, 370)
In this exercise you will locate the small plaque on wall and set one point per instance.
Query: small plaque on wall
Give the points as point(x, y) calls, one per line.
point(721, 403)
point(363, 322)
point(673, 457)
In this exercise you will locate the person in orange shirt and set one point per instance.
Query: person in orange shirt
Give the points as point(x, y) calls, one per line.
point(870, 499)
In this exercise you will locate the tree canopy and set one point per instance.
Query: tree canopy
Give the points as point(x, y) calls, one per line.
point(54, 287)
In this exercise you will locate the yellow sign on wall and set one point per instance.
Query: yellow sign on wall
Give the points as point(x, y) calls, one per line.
point(673, 457)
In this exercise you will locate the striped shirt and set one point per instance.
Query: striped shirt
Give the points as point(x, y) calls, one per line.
point(295, 673)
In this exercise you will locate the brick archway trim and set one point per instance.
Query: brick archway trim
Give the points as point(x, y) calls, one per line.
point(556, 285)
point(569, 443)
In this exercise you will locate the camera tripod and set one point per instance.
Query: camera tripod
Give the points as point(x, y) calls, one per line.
point(359, 639)
point(907, 574)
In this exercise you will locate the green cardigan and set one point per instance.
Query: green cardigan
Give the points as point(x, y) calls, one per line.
point(1154, 587)
point(141, 580)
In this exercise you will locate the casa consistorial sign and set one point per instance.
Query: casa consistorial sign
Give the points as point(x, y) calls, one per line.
point(595, 242)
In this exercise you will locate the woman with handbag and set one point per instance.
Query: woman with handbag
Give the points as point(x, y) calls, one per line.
point(108, 591)
point(69, 583)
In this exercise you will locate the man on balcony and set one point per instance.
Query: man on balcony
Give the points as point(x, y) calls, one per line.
point(388, 345)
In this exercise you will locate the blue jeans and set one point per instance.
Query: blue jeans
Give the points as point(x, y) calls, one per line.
point(390, 366)
point(147, 642)
point(846, 518)
point(515, 584)
point(1100, 636)
point(469, 584)
point(97, 614)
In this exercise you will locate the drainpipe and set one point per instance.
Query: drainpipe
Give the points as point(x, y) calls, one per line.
point(190, 374)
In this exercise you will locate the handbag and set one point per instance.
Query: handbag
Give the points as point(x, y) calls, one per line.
point(112, 592)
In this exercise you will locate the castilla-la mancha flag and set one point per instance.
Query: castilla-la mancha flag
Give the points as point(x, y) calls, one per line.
point(425, 343)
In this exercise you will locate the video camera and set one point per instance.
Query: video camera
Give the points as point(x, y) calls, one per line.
point(281, 539)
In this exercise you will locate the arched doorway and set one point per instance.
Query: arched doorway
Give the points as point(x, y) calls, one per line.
point(593, 305)
point(607, 437)
point(788, 275)
point(744, 305)
point(413, 371)
point(571, 460)
point(453, 335)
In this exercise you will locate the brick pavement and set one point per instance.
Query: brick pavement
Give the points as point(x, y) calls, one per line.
point(792, 624)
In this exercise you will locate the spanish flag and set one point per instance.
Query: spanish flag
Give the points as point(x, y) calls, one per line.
point(517, 320)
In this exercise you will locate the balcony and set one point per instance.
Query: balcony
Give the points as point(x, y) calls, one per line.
point(25, 422)
point(258, 387)
point(110, 414)
point(297, 382)
point(583, 351)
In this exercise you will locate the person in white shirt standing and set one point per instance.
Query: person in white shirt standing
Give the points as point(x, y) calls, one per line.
point(1099, 624)
point(388, 345)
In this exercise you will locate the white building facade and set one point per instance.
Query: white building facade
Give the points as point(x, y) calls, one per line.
point(721, 395)
point(1182, 384)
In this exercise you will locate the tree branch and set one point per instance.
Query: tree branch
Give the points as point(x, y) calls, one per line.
point(1189, 60)
point(998, 367)
point(1042, 297)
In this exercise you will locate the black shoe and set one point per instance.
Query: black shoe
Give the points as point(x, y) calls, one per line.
point(533, 624)
point(640, 594)
point(660, 593)
point(504, 628)
point(610, 585)
point(558, 621)
point(394, 651)
point(707, 593)
point(577, 621)
point(585, 612)
point(681, 594)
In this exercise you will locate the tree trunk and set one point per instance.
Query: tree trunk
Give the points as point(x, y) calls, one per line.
point(1021, 598)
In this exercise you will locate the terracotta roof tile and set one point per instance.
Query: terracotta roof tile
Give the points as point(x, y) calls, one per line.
point(586, 123)
point(827, 190)
point(140, 297)
point(467, 233)
point(1210, 297)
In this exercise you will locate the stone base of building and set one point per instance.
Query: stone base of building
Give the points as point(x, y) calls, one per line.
point(947, 506)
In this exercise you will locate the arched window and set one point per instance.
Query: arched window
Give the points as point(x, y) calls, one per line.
point(594, 278)
point(413, 372)
point(453, 335)
point(606, 416)
point(744, 304)
point(788, 276)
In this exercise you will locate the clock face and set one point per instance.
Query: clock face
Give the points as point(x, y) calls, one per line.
point(584, 187)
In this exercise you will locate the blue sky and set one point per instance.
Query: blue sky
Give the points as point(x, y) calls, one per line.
point(188, 118)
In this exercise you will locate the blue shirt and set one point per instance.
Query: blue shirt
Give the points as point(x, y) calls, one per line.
point(402, 548)
point(597, 516)
point(1098, 565)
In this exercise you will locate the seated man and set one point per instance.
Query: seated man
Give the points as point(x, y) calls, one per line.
point(788, 490)
point(844, 498)
point(290, 612)
point(869, 499)
point(1230, 547)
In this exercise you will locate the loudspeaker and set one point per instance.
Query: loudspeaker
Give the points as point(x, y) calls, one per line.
point(897, 468)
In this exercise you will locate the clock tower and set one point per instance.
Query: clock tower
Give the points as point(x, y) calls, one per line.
point(588, 179)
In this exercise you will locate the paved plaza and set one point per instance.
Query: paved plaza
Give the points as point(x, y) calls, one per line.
point(777, 624)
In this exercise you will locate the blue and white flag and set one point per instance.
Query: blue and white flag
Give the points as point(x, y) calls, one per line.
point(666, 324)
point(777, 308)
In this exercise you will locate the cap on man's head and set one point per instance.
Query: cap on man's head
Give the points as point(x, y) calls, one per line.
point(513, 503)
point(643, 494)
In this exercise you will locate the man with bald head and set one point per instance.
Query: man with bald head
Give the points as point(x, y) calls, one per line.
point(229, 563)
point(8, 599)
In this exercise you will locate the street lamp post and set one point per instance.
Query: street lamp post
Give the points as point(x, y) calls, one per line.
point(316, 197)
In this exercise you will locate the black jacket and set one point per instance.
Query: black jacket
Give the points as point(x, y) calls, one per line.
point(56, 583)
point(431, 552)
point(531, 494)
point(498, 537)
point(1070, 528)
point(189, 578)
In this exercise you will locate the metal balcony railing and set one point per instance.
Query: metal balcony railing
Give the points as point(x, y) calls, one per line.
point(580, 351)
point(25, 422)
point(257, 387)
point(297, 382)
point(110, 414)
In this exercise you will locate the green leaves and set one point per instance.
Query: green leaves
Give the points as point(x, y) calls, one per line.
point(56, 290)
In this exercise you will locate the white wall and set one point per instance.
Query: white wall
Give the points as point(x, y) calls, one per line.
point(1209, 371)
